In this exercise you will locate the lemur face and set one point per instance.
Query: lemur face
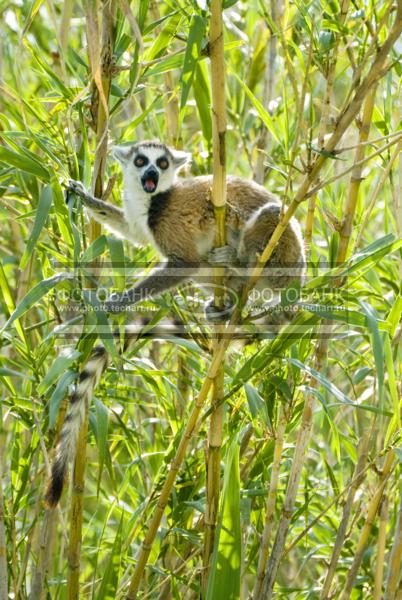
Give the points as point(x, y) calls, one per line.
point(150, 166)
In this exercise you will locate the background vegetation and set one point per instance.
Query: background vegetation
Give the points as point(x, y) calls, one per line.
point(310, 505)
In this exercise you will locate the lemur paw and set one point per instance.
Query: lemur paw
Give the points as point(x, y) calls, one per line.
point(216, 314)
point(222, 256)
point(76, 187)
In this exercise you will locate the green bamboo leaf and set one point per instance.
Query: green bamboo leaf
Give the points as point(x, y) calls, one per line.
point(97, 248)
point(372, 253)
point(63, 218)
point(35, 6)
point(24, 162)
point(59, 393)
point(197, 30)
point(376, 344)
point(102, 423)
point(116, 251)
point(265, 116)
point(102, 328)
point(202, 96)
point(110, 579)
point(42, 211)
point(4, 372)
point(164, 37)
point(394, 316)
point(224, 575)
point(393, 389)
point(59, 366)
point(328, 385)
point(35, 294)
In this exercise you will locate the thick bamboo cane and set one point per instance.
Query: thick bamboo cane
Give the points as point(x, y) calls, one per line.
point(270, 504)
point(382, 536)
point(218, 197)
point(394, 562)
point(101, 123)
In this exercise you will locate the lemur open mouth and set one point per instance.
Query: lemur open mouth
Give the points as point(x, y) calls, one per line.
point(149, 180)
point(149, 185)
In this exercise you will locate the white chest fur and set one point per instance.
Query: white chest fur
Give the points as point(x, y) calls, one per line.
point(136, 207)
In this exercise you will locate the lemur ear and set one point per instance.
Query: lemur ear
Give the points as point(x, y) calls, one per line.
point(123, 153)
point(180, 158)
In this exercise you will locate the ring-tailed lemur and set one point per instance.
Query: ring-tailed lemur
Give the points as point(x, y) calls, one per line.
point(176, 216)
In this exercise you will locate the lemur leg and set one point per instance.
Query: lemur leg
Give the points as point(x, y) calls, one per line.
point(103, 212)
point(170, 275)
point(287, 262)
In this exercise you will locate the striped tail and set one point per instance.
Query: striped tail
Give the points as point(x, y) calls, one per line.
point(66, 449)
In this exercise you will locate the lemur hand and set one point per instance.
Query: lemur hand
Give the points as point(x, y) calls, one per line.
point(77, 188)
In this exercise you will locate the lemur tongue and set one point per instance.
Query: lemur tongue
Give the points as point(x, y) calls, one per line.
point(150, 185)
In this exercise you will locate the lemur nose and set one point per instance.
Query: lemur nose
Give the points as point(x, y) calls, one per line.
point(151, 171)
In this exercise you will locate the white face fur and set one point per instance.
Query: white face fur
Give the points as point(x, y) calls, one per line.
point(149, 168)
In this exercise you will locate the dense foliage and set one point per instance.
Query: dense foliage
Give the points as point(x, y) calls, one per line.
point(293, 70)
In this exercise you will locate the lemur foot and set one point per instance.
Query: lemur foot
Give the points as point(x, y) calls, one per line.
point(223, 256)
point(216, 314)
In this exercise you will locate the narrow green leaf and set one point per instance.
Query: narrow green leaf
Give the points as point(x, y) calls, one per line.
point(59, 393)
point(376, 344)
point(35, 6)
point(224, 575)
point(59, 366)
point(110, 579)
point(23, 162)
point(265, 116)
point(197, 29)
point(42, 211)
point(202, 96)
point(35, 294)
point(102, 422)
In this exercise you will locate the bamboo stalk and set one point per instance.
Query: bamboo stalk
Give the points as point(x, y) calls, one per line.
point(218, 197)
point(163, 497)
point(378, 189)
point(394, 561)
point(170, 100)
point(346, 229)
point(100, 98)
point(270, 504)
point(365, 532)
point(379, 571)
point(325, 116)
point(347, 510)
point(76, 510)
point(267, 96)
point(301, 445)
point(213, 473)
point(3, 543)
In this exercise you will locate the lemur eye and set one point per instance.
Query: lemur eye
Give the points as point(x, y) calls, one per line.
point(140, 161)
point(163, 163)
